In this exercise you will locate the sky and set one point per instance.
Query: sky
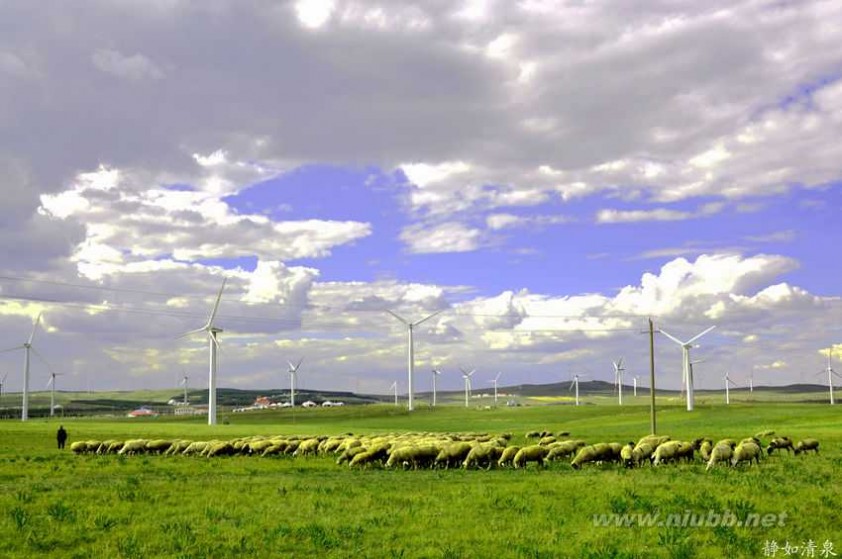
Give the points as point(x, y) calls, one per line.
point(545, 174)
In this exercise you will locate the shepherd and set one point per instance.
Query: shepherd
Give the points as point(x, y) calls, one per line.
point(61, 436)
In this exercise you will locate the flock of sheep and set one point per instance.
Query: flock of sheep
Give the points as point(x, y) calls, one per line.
point(465, 450)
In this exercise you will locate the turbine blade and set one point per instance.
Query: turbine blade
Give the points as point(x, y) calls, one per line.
point(399, 317)
point(34, 327)
point(50, 382)
point(697, 336)
point(297, 365)
point(670, 336)
point(13, 348)
point(498, 376)
point(191, 332)
point(425, 319)
point(620, 363)
point(216, 304)
point(41, 357)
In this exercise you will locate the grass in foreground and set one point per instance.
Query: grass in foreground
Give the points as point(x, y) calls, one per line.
point(149, 506)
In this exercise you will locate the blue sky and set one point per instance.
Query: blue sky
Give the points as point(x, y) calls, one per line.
point(546, 173)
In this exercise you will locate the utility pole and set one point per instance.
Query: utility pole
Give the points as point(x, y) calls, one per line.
point(652, 421)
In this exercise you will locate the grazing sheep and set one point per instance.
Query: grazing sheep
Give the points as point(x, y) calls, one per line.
point(780, 443)
point(667, 452)
point(133, 447)
point(507, 458)
point(79, 447)
point(482, 455)
point(196, 447)
point(654, 440)
point(534, 453)
point(348, 454)
point(585, 455)
point(642, 452)
point(368, 457)
point(453, 454)
point(564, 449)
point(158, 446)
point(746, 452)
point(722, 452)
point(763, 434)
point(627, 455)
point(686, 451)
point(546, 440)
point(754, 440)
point(705, 448)
point(807, 445)
point(223, 448)
point(532, 435)
point(307, 447)
point(561, 434)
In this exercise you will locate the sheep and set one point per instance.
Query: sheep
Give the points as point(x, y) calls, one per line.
point(561, 434)
point(79, 447)
point(453, 454)
point(133, 447)
point(807, 445)
point(746, 452)
point(533, 453)
point(762, 434)
point(585, 455)
point(564, 449)
point(641, 452)
point(754, 440)
point(686, 451)
point(222, 448)
point(482, 455)
point(177, 447)
point(654, 440)
point(546, 440)
point(196, 447)
point(532, 435)
point(257, 447)
point(780, 443)
point(348, 454)
point(158, 446)
point(627, 455)
point(705, 448)
point(508, 456)
point(412, 456)
point(722, 452)
point(666, 452)
point(309, 446)
point(368, 457)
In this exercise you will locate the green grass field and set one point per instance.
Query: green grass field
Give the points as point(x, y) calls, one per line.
point(58, 504)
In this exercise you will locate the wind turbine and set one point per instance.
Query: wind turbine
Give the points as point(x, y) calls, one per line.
point(212, 333)
point(184, 384)
point(575, 384)
point(728, 383)
point(410, 350)
point(467, 376)
point(830, 372)
point(436, 373)
point(293, 375)
point(687, 366)
point(51, 384)
point(2, 382)
point(494, 382)
point(751, 381)
point(618, 379)
point(395, 388)
point(28, 348)
point(636, 378)
point(684, 380)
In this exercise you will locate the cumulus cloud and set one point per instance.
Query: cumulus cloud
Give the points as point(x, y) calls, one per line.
point(443, 237)
point(133, 68)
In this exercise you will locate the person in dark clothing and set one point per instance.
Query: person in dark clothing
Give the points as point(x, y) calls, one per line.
point(61, 436)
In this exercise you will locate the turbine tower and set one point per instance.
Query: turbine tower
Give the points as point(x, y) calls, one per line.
point(728, 384)
point(436, 373)
point(636, 378)
point(410, 350)
point(293, 376)
point(467, 376)
point(2, 382)
point(51, 384)
point(575, 384)
point(494, 382)
point(212, 332)
point(28, 349)
point(830, 372)
point(184, 384)
point(687, 369)
point(618, 379)
point(395, 388)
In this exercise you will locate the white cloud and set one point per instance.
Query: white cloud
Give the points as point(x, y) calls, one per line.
point(444, 237)
point(658, 214)
point(314, 13)
point(136, 67)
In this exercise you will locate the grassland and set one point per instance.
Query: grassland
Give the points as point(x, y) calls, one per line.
point(183, 507)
